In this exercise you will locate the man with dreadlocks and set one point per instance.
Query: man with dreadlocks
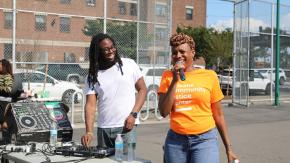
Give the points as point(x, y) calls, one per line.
point(111, 85)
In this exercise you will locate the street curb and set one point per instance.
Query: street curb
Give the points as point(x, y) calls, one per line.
point(147, 122)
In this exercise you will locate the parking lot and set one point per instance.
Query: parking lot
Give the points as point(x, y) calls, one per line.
point(260, 134)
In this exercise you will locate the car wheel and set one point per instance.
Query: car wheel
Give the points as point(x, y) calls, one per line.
point(245, 90)
point(74, 80)
point(268, 89)
point(67, 97)
point(282, 81)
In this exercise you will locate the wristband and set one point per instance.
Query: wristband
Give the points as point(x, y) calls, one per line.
point(90, 133)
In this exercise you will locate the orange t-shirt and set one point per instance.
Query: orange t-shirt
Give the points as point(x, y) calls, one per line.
point(191, 112)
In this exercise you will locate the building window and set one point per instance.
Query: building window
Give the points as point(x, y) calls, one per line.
point(40, 22)
point(160, 10)
point(7, 51)
point(65, 1)
point(8, 20)
point(64, 24)
point(160, 59)
point(189, 13)
point(161, 33)
point(43, 57)
point(133, 9)
point(69, 57)
point(87, 54)
point(91, 2)
point(122, 8)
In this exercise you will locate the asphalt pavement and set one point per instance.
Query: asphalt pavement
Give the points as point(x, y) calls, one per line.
point(259, 134)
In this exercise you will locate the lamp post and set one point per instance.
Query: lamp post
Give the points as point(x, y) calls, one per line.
point(277, 79)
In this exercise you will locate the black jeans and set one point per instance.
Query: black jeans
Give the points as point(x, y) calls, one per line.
point(6, 132)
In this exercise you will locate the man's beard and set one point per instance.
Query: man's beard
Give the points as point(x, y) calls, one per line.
point(106, 63)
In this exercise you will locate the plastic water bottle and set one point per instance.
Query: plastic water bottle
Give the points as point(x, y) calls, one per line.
point(53, 134)
point(131, 146)
point(235, 161)
point(119, 145)
point(53, 128)
point(131, 152)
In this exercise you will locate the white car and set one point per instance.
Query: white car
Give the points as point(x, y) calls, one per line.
point(267, 74)
point(257, 83)
point(152, 76)
point(53, 88)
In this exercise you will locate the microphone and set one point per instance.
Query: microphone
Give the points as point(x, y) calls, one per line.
point(181, 72)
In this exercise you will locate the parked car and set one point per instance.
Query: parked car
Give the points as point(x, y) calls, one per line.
point(66, 72)
point(257, 82)
point(55, 89)
point(152, 76)
point(267, 74)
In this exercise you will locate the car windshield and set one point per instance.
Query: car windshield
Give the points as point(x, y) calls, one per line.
point(35, 78)
point(255, 74)
point(263, 71)
point(155, 72)
point(226, 73)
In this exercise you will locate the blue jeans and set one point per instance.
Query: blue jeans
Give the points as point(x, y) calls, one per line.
point(107, 136)
point(202, 148)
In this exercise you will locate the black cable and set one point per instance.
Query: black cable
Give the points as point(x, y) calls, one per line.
point(46, 156)
point(49, 150)
point(74, 161)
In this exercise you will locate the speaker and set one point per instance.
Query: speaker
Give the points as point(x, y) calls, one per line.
point(65, 131)
point(30, 121)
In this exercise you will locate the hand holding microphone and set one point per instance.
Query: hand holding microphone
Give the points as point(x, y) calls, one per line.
point(180, 70)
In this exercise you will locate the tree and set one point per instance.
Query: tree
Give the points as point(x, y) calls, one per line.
point(124, 33)
point(93, 27)
point(216, 47)
point(202, 38)
point(222, 47)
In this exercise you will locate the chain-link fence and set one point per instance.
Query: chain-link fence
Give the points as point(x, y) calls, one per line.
point(53, 37)
point(255, 56)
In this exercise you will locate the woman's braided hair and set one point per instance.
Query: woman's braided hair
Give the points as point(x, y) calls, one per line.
point(181, 38)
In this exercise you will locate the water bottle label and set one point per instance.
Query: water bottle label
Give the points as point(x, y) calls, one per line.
point(53, 132)
point(118, 145)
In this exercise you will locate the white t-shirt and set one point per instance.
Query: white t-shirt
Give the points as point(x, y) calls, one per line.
point(116, 93)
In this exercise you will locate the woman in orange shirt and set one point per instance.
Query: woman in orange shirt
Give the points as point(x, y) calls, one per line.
point(192, 98)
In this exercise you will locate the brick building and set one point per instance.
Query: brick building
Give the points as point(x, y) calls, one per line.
point(188, 13)
point(53, 30)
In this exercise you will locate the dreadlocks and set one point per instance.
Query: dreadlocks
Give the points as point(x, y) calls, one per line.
point(95, 54)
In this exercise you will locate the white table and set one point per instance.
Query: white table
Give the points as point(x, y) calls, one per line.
point(21, 157)
point(38, 157)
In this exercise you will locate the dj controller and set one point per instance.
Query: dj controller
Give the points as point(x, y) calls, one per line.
point(66, 149)
point(31, 116)
point(81, 151)
point(32, 121)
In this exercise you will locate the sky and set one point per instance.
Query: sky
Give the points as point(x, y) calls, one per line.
point(220, 15)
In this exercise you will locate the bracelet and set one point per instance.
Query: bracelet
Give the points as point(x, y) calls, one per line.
point(90, 133)
point(228, 147)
